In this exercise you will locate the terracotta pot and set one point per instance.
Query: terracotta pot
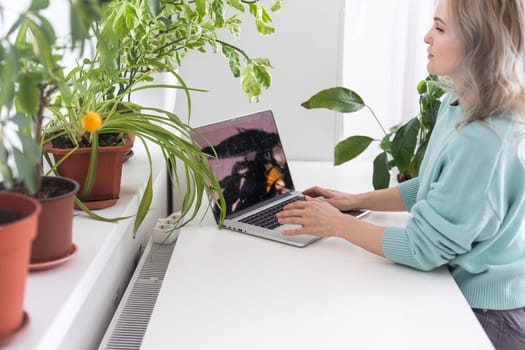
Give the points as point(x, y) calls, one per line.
point(129, 153)
point(15, 250)
point(106, 189)
point(54, 239)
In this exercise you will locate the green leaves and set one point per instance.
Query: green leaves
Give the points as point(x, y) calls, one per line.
point(9, 70)
point(218, 13)
point(37, 5)
point(24, 155)
point(262, 18)
point(236, 4)
point(25, 163)
point(338, 99)
point(255, 77)
point(82, 14)
point(121, 20)
point(250, 84)
point(402, 147)
point(28, 95)
point(404, 144)
point(142, 39)
point(276, 5)
point(233, 59)
point(200, 7)
point(133, 39)
point(26, 63)
point(350, 148)
point(381, 174)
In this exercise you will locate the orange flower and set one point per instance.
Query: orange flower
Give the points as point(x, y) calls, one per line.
point(91, 121)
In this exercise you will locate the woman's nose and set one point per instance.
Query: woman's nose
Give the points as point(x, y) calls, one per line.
point(427, 38)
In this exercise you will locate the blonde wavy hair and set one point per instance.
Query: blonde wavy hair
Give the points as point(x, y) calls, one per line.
point(492, 33)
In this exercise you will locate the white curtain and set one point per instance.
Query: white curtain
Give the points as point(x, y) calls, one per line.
point(384, 59)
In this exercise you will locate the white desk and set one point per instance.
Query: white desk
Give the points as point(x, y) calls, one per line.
point(225, 290)
point(70, 306)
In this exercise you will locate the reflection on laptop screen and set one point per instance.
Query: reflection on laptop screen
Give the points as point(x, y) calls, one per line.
point(247, 158)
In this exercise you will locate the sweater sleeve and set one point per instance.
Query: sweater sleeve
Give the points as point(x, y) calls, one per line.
point(408, 190)
point(455, 210)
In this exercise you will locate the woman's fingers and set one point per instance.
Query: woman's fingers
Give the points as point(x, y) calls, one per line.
point(316, 191)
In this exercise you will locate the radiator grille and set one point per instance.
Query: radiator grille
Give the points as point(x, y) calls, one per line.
point(130, 321)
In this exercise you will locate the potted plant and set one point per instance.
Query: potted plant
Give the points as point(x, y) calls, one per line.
point(134, 40)
point(31, 71)
point(26, 65)
point(403, 146)
point(18, 225)
point(32, 77)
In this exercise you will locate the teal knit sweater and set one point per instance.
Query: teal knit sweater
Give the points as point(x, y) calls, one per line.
point(468, 209)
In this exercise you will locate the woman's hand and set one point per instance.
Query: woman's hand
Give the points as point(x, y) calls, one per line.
point(340, 200)
point(318, 217)
point(315, 215)
point(388, 199)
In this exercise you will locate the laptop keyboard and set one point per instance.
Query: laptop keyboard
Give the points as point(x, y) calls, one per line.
point(266, 218)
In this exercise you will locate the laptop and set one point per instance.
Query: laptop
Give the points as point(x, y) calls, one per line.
point(249, 162)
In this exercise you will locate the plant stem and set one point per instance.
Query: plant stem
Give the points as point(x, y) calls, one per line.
point(377, 120)
point(235, 48)
point(46, 90)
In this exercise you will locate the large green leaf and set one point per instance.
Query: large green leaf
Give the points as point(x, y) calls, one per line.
point(200, 6)
point(249, 84)
point(350, 148)
point(219, 13)
point(81, 16)
point(262, 19)
point(413, 168)
point(44, 41)
point(28, 94)
point(37, 5)
point(338, 99)
point(31, 149)
point(236, 4)
point(233, 59)
point(404, 143)
point(125, 19)
point(261, 74)
point(26, 170)
point(9, 69)
point(381, 176)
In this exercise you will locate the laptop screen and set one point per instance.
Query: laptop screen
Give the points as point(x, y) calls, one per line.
point(247, 158)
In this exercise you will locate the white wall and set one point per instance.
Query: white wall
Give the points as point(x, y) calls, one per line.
point(306, 51)
point(378, 50)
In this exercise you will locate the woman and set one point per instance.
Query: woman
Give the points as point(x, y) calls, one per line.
point(468, 203)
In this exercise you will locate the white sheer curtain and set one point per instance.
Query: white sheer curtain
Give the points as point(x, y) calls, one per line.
point(384, 59)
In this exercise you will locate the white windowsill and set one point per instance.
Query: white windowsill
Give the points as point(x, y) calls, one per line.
point(69, 306)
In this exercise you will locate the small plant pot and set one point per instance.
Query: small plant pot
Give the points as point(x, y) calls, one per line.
point(54, 240)
point(15, 251)
point(106, 189)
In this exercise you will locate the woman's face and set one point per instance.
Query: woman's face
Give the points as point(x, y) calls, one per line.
point(445, 53)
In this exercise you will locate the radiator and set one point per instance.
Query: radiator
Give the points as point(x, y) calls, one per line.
point(130, 321)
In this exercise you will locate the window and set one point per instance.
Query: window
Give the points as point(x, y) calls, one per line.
point(384, 59)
